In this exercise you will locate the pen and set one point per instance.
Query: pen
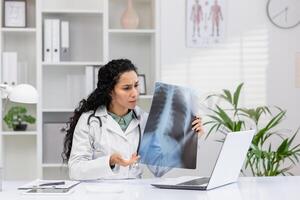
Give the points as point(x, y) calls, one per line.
point(53, 183)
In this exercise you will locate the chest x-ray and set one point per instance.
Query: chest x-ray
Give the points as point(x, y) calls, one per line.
point(168, 140)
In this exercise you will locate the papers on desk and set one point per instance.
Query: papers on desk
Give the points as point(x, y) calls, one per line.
point(59, 184)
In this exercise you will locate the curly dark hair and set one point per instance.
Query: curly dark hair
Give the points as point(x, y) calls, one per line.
point(108, 76)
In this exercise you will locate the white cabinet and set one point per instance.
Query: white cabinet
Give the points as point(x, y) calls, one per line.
point(95, 37)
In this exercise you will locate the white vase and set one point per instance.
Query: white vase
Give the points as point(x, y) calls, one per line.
point(130, 18)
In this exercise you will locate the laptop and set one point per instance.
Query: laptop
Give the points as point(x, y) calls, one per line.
point(226, 169)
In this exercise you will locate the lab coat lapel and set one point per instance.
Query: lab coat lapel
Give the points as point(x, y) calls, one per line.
point(114, 127)
point(109, 123)
point(132, 125)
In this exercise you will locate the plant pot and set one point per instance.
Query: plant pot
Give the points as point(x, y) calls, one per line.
point(130, 18)
point(20, 127)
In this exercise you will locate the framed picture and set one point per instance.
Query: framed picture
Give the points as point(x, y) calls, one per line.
point(142, 83)
point(14, 13)
point(205, 22)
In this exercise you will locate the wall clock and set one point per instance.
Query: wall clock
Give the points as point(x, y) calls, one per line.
point(284, 14)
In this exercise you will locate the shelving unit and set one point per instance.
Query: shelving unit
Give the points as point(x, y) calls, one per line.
point(96, 37)
point(20, 147)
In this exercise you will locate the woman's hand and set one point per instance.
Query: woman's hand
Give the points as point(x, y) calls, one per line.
point(116, 159)
point(197, 125)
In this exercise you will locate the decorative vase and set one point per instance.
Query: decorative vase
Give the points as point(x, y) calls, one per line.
point(130, 18)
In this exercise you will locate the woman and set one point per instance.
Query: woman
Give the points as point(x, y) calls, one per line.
point(103, 134)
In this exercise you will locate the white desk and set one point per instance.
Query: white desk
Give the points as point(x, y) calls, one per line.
point(248, 188)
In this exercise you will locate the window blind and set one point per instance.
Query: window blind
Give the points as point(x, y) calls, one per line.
point(224, 66)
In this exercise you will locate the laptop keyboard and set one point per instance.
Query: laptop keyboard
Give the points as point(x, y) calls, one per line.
point(198, 181)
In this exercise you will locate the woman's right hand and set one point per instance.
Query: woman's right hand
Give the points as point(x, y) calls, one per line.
point(116, 159)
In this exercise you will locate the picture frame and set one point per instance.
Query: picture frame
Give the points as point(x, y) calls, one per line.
point(142, 84)
point(15, 13)
point(205, 22)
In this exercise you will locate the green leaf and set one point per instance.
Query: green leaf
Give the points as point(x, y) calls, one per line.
point(226, 119)
point(227, 96)
point(259, 135)
point(293, 137)
point(212, 95)
point(237, 95)
point(275, 120)
point(283, 147)
point(211, 130)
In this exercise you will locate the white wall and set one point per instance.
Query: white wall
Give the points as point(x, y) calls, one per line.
point(244, 17)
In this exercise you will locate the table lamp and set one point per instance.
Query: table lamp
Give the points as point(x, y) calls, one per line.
point(22, 93)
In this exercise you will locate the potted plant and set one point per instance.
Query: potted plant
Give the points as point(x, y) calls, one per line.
point(263, 158)
point(17, 119)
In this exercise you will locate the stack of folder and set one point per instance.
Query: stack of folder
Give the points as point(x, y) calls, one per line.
point(56, 37)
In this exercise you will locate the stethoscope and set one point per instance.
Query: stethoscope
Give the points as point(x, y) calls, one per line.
point(100, 124)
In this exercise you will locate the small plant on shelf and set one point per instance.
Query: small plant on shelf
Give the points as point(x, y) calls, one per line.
point(17, 118)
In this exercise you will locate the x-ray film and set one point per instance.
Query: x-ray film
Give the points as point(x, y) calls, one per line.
point(168, 140)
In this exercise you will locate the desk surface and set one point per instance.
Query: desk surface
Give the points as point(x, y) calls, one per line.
point(247, 188)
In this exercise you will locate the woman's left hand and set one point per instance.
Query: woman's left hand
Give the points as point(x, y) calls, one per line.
point(197, 125)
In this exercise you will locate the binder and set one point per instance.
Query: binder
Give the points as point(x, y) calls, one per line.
point(96, 69)
point(89, 82)
point(65, 41)
point(55, 40)
point(9, 69)
point(48, 40)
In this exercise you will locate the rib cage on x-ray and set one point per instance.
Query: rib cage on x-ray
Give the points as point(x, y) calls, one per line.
point(168, 139)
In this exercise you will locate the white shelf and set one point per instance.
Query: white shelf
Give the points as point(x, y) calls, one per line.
point(14, 133)
point(53, 165)
point(72, 63)
point(59, 110)
point(132, 31)
point(19, 30)
point(72, 11)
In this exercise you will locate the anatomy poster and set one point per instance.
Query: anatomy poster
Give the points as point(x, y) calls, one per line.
point(205, 22)
point(168, 140)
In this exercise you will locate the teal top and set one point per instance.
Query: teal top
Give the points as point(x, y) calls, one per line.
point(123, 121)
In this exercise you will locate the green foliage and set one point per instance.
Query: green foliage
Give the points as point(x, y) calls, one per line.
point(263, 158)
point(16, 116)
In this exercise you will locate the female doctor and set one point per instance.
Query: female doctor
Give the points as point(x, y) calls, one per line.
point(104, 133)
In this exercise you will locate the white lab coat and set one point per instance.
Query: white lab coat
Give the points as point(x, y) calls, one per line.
point(93, 145)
